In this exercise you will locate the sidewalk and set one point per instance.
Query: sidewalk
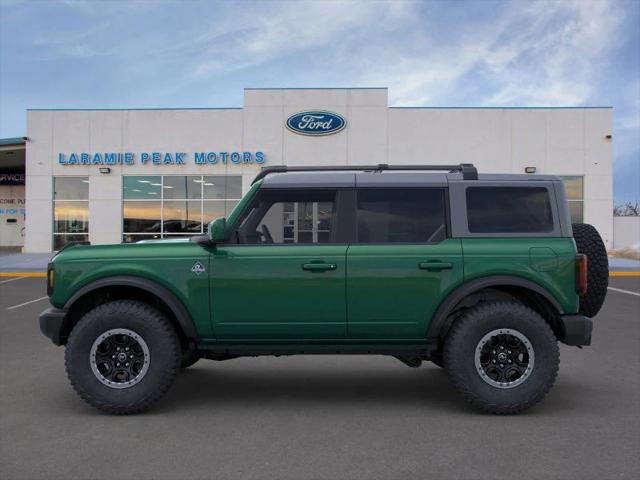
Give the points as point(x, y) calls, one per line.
point(622, 264)
point(37, 262)
point(23, 262)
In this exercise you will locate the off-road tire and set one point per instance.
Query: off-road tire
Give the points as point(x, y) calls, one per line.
point(464, 337)
point(165, 356)
point(189, 357)
point(589, 242)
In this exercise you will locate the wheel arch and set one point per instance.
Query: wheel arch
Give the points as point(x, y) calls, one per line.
point(128, 286)
point(530, 293)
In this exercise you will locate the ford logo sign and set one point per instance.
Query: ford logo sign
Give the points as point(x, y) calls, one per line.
point(316, 122)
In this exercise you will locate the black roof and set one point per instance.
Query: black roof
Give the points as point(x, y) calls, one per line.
point(400, 176)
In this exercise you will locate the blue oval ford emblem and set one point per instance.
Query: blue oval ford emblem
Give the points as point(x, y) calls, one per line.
point(316, 122)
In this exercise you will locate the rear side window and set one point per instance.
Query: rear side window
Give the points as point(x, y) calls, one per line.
point(388, 215)
point(509, 210)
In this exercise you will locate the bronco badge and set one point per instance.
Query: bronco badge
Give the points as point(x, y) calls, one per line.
point(197, 268)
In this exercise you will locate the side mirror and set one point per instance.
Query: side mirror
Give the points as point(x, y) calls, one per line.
point(218, 230)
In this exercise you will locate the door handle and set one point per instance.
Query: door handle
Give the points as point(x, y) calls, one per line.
point(319, 267)
point(435, 266)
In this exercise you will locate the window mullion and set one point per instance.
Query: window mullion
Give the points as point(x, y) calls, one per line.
point(162, 206)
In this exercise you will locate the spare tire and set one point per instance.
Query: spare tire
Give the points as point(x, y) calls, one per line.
point(589, 242)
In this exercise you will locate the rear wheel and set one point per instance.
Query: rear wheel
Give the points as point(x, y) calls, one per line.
point(502, 357)
point(436, 359)
point(589, 242)
point(122, 357)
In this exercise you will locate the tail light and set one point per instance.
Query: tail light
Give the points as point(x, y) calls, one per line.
point(581, 274)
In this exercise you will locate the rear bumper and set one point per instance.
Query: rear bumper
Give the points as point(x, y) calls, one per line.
point(577, 329)
point(51, 321)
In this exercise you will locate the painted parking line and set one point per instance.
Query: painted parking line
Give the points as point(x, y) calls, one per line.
point(23, 274)
point(12, 280)
point(27, 303)
point(624, 291)
point(624, 274)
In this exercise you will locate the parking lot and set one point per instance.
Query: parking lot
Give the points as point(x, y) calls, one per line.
point(319, 417)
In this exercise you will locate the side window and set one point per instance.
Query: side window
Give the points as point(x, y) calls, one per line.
point(509, 210)
point(390, 215)
point(280, 217)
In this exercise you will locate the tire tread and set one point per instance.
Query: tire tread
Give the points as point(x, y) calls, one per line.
point(133, 309)
point(589, 242)
point(454, 356)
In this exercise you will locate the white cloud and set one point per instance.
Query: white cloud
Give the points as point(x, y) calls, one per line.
point(275, 30)
point(540, 53)
point(555, 59)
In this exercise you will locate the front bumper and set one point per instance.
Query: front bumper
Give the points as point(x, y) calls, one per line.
point(577, 329)
point(51, 323)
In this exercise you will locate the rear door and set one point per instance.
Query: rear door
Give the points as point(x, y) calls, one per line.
point(402, 263)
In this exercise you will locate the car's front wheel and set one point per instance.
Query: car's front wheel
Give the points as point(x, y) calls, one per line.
point(122, 356)
point(503, 357)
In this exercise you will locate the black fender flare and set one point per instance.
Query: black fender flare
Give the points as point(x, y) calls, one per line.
point(175, 305)
point(440, 322)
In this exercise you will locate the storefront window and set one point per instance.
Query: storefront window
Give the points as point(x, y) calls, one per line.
point(70, 210)
point(175, 205)
point(574, 185)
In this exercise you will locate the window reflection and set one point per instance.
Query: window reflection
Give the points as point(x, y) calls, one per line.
point(71, 217)
point(59, 241)
point(576, 208)
point(136, 237)
point(141, 217)
point(143, 188)
point(175, 205)
point(70, 210)
point(574, 186)
point(71, 188)
point(186, 187)
point(182, 216)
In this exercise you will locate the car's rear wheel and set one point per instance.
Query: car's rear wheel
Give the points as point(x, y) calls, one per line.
point(437, 359)
point(503, 357)
point(122, 357)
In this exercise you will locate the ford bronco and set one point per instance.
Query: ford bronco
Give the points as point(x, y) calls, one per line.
point(480, 274)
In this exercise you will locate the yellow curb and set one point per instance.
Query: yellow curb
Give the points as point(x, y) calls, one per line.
point(624, 274)
point(23, 274)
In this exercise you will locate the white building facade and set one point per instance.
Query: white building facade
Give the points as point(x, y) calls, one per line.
point(109, 176)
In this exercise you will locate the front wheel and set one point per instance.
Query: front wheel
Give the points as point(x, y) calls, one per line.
point(122, 357)
point(503, 357)
point(189, 357)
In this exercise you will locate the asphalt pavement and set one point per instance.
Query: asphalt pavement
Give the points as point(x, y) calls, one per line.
point(320, 417)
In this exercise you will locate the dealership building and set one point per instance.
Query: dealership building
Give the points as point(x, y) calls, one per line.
point(123, 175)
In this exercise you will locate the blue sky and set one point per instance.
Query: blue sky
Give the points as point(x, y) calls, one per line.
point(110, 54)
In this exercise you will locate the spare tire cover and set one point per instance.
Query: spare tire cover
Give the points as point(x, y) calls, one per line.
point(589, 242)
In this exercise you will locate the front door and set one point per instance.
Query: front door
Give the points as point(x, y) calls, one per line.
point(284, 276)
point(402, 263)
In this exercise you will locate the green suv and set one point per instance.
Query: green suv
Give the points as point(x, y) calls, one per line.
point(480, 274)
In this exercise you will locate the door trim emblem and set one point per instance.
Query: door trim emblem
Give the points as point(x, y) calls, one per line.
point(197, 268)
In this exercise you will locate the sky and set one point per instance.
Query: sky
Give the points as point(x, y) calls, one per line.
point(112, 54)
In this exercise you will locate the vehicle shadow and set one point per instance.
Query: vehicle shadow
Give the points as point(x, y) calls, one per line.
point(426, 387)
point(214, 387)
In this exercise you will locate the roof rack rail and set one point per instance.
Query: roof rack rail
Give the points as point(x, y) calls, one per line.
point(469, 172)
